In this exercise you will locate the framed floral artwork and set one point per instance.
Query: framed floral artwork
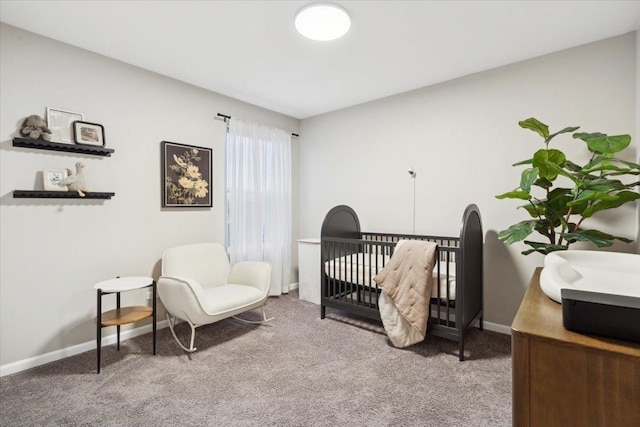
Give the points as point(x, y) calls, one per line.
point(186, 175)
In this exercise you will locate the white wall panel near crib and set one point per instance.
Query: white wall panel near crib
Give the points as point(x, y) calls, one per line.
point(309, 270)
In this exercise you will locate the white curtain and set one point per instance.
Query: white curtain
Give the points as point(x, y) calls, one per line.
point(259, 198)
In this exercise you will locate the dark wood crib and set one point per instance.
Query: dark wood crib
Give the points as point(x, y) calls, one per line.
point(351, 258)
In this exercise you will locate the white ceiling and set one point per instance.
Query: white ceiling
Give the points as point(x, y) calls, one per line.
point(249, 50)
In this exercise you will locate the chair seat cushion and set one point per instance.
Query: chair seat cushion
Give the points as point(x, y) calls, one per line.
point(219, 299)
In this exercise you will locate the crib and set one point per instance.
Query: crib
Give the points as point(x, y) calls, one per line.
point(351, 258)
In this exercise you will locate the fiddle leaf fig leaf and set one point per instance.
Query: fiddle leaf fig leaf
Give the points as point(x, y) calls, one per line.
point(630, 164)
point(543, 248)
point(596, 237)
point(608, 166)
point(621, 173)
point(573, 167)
point(588, 195)
point(527, 179)
point(523, 162)
point(558, 170)
point(565, 130)
point(515, 194)
point(620, 199)
point(542, 158)
point(609, 144)
point(543, 183)
point(517, 232)
point(542, 227)
point(536, 126)
point(584, 136)
point(596, 160)
point(557, 202)
point(533, 211)
point(604, 184)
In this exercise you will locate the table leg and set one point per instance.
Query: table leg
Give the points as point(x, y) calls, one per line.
point(155, 289)
point(118, 327)
point(99, 328)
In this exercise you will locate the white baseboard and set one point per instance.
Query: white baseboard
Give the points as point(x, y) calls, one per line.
point(32, 362)
point(293, 286)
point(496, 327)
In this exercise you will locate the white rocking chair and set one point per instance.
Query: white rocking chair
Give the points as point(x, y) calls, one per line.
point(199, 286)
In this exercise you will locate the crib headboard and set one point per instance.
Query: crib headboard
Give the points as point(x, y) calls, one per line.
point(341, 221)
point(470, 263)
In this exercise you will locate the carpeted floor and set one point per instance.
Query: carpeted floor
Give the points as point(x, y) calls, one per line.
point(297, 370)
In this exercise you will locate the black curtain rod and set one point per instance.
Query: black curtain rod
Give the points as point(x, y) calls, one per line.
point(225, 118)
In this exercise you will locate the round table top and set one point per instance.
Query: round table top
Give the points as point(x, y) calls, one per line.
point(123, 284)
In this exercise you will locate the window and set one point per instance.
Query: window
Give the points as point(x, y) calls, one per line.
point(258, 187)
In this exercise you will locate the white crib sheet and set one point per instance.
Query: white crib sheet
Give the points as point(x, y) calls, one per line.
point(361, 268)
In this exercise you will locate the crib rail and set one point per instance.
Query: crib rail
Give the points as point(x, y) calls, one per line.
point(449, 242)
point(349, 267)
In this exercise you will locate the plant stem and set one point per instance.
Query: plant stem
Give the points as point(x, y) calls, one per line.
point(552, 230)
point(565, 225)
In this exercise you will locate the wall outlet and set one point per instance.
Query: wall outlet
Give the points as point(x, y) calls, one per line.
point(149, 294)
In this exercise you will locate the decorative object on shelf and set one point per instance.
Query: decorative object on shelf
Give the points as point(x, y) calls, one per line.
point(77, 182)
point(558, 213)
point(51, 179)
point(60, 122)
point(88, 133)
point(186, 175)
point(36, 128)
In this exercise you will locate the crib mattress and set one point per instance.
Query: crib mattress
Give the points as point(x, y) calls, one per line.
point(361, 268)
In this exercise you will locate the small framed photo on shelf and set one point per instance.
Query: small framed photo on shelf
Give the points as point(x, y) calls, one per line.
point(60, 123)
point(88, 133)
point(51, 179)
point(186, 175)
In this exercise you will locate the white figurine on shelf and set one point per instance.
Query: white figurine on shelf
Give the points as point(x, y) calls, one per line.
point(76, 182)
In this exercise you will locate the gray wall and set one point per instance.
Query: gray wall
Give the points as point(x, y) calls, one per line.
point(462, 137)
point(52, 252)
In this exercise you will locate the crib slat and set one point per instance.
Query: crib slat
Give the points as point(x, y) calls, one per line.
point(448, 292)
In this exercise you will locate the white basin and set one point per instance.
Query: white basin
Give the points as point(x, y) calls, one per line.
point(596, 271)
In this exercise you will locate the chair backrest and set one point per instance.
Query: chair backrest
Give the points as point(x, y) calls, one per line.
point(205, 262)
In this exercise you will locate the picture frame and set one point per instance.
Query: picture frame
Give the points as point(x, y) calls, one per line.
point(187, 172)
point(51, 178)
point(86, 133)
point(60, 122)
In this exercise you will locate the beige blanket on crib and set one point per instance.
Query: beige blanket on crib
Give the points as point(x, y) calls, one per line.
point(406, 288)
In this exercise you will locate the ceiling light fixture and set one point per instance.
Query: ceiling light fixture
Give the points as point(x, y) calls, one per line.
point(322, 21)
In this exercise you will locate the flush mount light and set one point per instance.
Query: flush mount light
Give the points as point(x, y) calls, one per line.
point(322, 21)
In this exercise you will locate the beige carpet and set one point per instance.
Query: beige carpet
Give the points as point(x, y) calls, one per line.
point(297, 370)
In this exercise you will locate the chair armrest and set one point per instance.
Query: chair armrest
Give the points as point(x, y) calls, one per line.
point(179, 294)
point(180, 280)
point(253, 273)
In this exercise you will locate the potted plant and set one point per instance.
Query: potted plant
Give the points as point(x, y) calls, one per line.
point(558, 213)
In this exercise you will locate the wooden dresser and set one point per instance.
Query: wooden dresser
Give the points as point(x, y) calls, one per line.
point(562, 378)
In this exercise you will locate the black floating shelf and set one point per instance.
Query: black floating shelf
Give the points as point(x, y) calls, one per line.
point(28, 194)
point(58, 146)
